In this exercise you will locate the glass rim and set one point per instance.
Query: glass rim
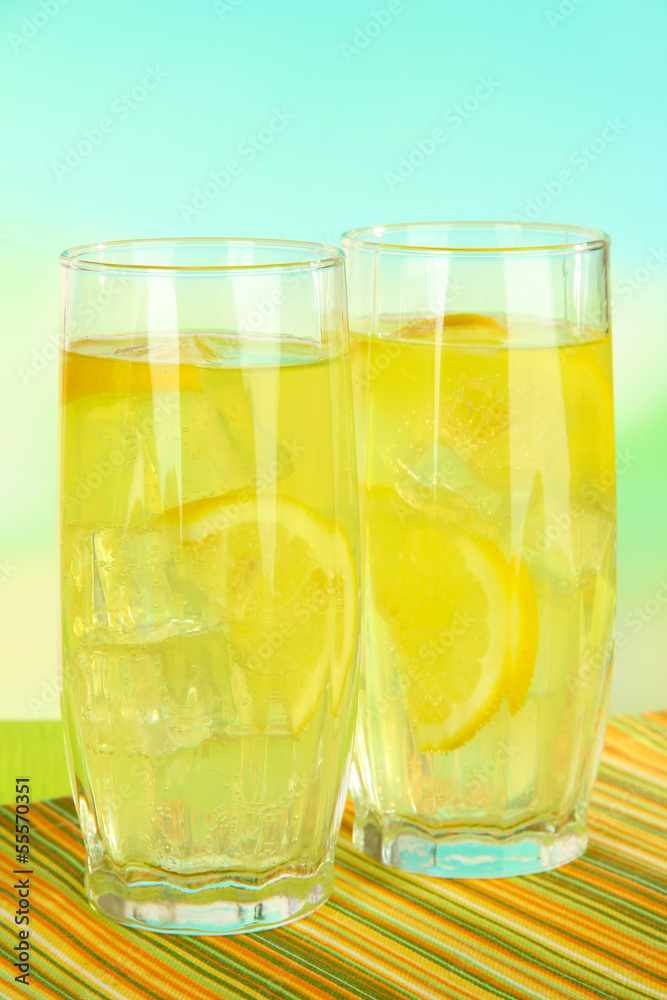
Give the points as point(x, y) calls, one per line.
point(322, 255)
point(591, 239)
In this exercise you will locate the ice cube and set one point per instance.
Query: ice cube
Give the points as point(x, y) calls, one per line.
point(152, 699)
point(192, 350)
point(218, 443)
point(442, 484)
point(125, 587)
point(194, 687)
point(441, 472)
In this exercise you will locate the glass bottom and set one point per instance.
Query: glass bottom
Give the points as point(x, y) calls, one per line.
point(462, 854)
point(217, 903)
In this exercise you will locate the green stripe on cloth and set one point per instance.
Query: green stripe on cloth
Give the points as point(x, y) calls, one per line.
point(593, 930)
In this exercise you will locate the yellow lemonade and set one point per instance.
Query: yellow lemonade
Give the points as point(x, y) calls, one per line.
point(487, 483)
point(209, 599)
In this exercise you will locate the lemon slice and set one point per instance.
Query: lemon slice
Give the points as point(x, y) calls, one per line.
point(457, 616)
point(285, 581)
point(90, 375)
point(453, 328)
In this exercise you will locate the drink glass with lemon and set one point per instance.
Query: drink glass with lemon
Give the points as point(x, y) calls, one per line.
point(209, 576)
point(482, 376)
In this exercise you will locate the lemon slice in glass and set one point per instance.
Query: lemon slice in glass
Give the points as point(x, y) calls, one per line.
point(285, 582)
point(465, 630)
point(90, 374)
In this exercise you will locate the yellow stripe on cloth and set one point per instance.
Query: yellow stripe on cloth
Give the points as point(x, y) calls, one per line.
point(592, 930)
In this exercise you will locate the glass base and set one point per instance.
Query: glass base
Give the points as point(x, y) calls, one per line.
point(217, 903)
point(462, 854)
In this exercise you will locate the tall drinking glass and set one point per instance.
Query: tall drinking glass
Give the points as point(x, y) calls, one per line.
point(481, 361)
point(209, 576)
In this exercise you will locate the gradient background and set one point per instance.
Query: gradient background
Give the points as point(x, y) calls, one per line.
point(358, 86)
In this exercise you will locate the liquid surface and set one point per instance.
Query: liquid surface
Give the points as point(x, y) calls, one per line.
point(209, 600)
point(487, 480)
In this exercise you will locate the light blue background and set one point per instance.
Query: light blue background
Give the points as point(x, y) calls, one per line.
point(358, 87)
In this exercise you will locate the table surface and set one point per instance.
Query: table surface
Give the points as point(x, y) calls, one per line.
point(595, 928)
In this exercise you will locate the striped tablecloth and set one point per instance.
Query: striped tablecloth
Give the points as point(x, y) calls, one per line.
point(596, 928)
